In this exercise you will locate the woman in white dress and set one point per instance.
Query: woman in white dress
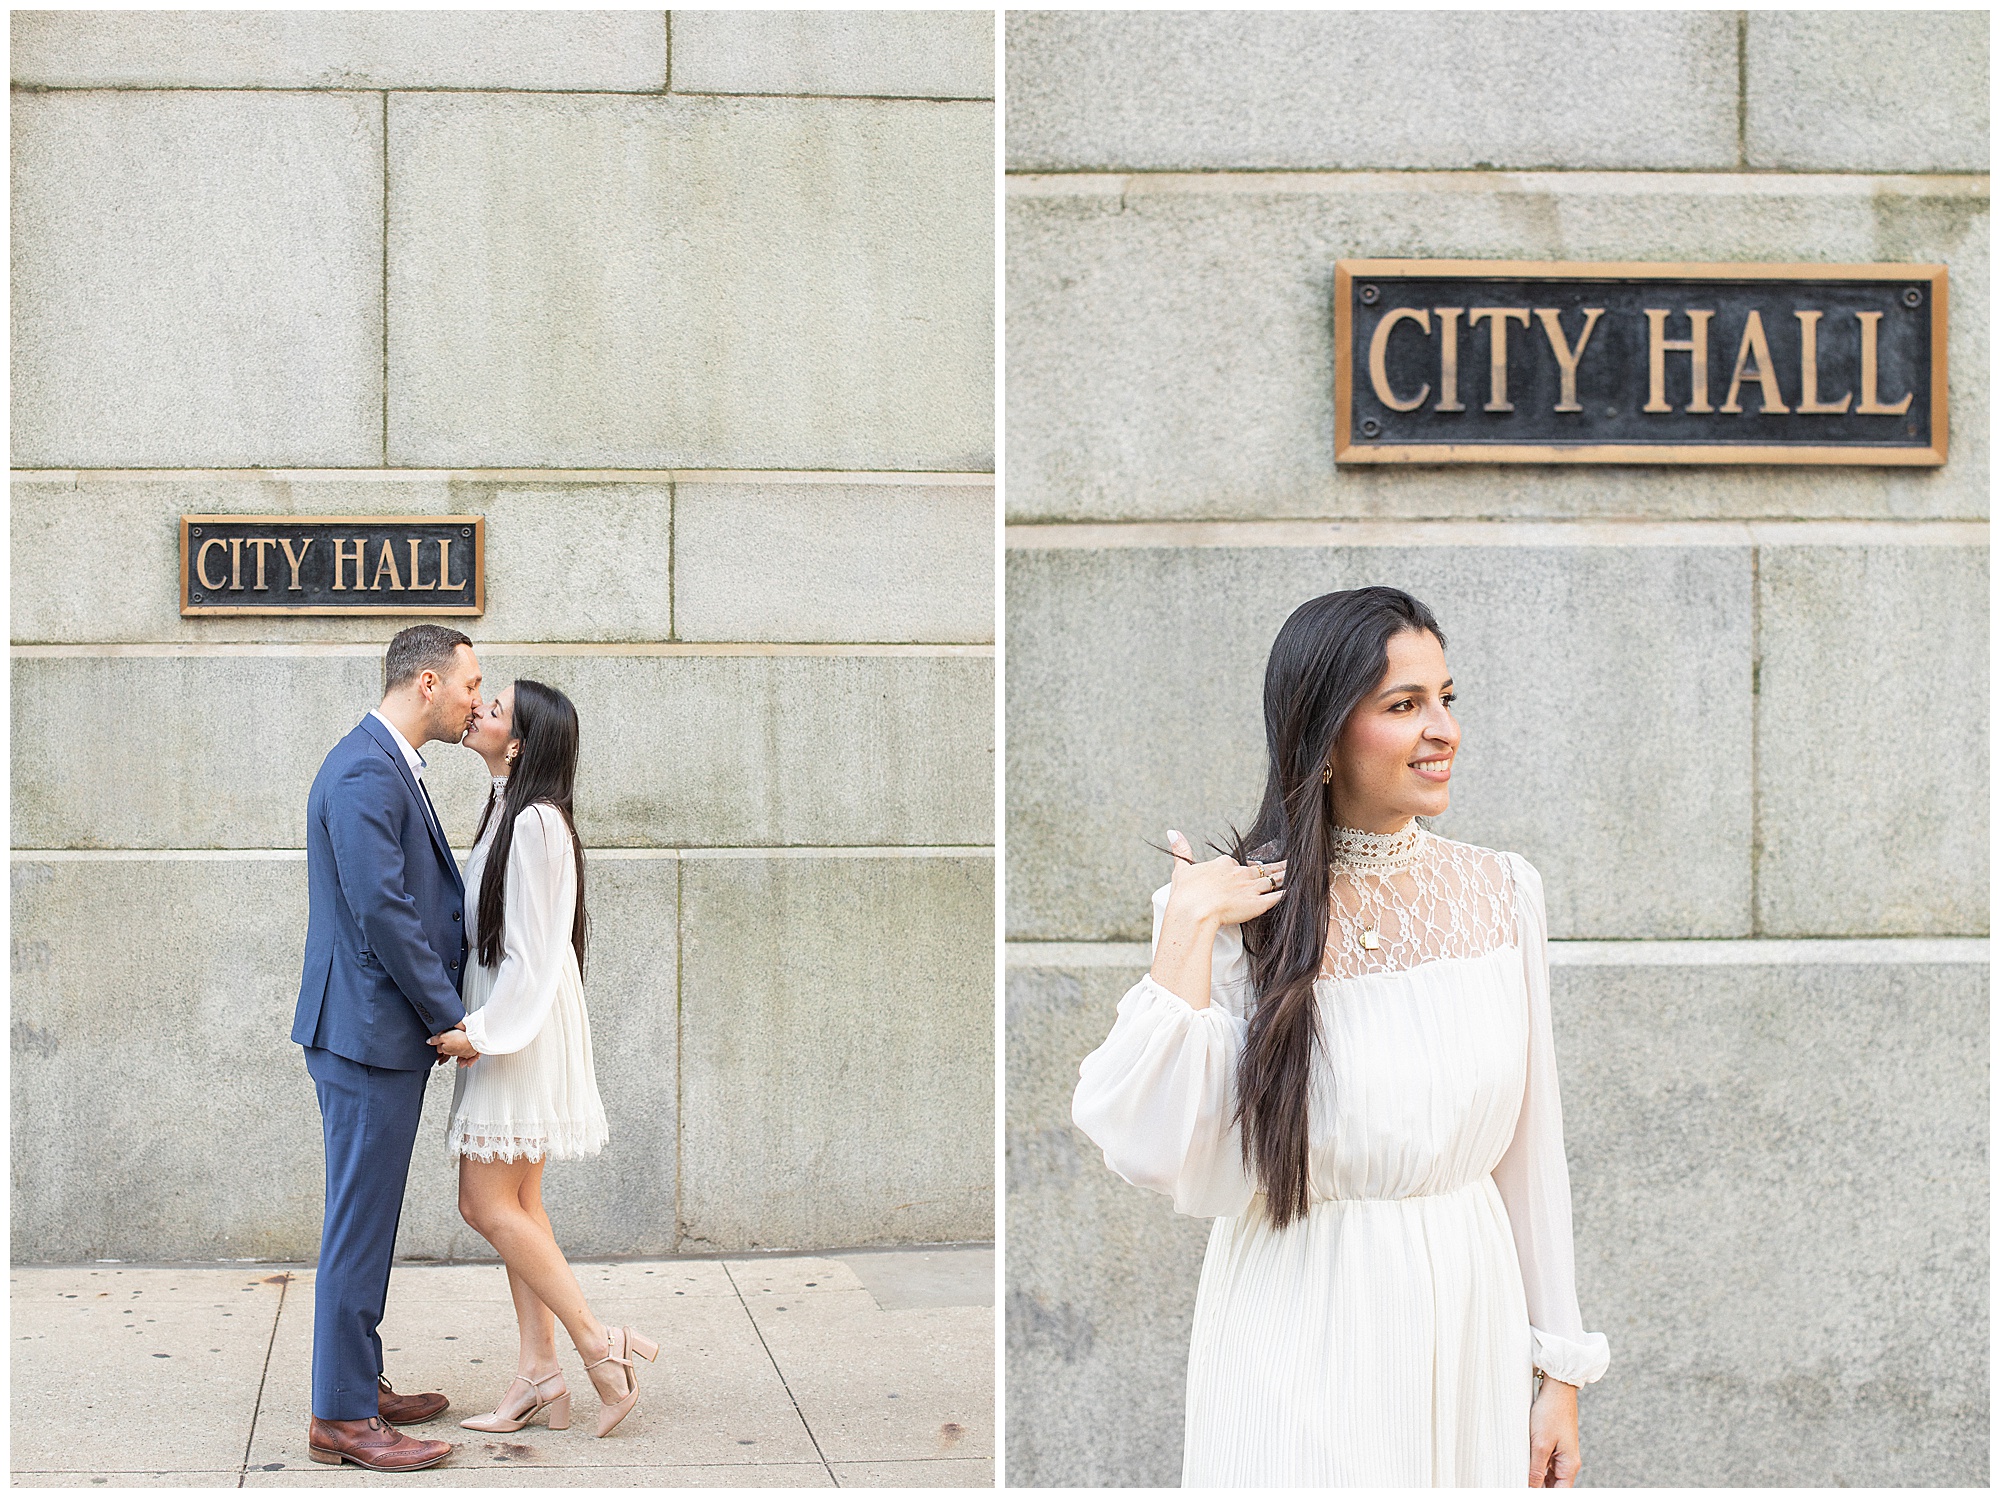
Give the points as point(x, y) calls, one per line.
point(526, 1091)
point(1352, 1070)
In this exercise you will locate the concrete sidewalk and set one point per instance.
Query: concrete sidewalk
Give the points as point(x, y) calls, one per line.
point(854, 1369)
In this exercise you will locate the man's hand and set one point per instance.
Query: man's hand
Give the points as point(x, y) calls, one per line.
point(454, 1044)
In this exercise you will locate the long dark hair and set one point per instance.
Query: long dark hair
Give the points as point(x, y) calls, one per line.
point(1328, 657)
point(545, 770)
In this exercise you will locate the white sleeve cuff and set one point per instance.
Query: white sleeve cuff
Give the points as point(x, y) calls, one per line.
point(1572, 1362)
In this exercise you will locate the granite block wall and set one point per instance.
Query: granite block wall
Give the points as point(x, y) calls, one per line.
point(1736, 717)
point(698, 314)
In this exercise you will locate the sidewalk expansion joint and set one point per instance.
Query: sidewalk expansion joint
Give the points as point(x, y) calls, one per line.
point(263, 1377)
point(804, 1424)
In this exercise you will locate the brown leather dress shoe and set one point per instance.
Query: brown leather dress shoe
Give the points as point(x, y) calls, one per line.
point(371, 1444)
point(407, 1409)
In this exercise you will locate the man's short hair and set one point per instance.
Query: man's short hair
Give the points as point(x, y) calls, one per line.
point(421, 647)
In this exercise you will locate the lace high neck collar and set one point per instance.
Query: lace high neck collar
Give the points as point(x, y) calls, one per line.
point(1377, 852)
point(499, 785)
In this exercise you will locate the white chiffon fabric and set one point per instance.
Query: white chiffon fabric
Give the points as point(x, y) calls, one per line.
point(1389, 1336)
point(532, 1094)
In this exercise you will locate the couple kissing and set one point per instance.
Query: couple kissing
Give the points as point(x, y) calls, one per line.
point(410, 963)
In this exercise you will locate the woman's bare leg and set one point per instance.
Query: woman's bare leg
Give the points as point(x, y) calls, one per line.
point(538, 1322)
point(494, 1197)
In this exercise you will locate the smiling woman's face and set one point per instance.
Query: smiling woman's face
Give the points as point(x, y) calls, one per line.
point(495, 726)
point(1393, 758)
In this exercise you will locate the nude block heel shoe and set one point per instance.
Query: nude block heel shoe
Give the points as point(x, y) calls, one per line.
point(625, 1344)
point(556, 1407)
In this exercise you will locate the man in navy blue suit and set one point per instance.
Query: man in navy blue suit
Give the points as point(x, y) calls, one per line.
point(385, 946)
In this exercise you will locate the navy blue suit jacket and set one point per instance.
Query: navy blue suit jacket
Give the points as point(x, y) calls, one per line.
point(385, 933)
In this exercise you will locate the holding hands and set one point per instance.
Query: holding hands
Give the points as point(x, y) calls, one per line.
point(454, 1044)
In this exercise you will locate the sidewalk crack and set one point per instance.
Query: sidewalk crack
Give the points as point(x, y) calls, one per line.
point(804, 1423)
point(263, 1377)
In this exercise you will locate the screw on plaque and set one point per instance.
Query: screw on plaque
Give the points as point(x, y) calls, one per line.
point(197, 530)
point(1369, 296)
point(465, 530)
point(1371, 427)
point(1912, 297)
point(195, 596)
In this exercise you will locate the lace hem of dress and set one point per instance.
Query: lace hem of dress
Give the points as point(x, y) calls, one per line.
point(508, 1142)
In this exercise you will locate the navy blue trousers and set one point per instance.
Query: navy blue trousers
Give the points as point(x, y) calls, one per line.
point(368, 1115)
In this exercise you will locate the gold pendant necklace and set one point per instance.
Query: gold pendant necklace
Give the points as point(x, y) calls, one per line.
point(1371, 932)
point(1382, 855)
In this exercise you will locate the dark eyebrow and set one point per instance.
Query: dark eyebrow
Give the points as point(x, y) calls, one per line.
point(1411, 687)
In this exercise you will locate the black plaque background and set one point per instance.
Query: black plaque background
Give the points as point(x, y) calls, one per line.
point(465, 532)
point(1612, 376)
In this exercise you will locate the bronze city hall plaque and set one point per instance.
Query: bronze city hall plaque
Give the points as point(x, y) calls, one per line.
point(333, 564)
point(1500, 361)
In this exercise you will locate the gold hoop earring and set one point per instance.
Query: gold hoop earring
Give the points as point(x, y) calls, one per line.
point(1326, 773)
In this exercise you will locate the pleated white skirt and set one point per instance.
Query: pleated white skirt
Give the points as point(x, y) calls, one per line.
point(1372, 1343)
point(537, 1103)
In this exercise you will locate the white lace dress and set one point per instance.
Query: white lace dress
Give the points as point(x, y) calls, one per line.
point(1388, 1337)
point(532, 1094)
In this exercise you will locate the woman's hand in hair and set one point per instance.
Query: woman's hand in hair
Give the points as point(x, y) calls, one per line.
point(1553, 1457)
point(1205, 898)
point(1222, 890)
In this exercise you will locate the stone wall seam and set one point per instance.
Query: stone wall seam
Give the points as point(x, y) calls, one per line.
point(617, 853)
point(385, 279)
point(1111, 535)
point(1051, 956)
point(347, 88)
point(1108, 183)
point(680, 1050)
point(1756, 737)
point(500, 91)
point(153, 855)
point(1742, 89)
point(28, 650)
point(895, 477)
point(732, 93)
point(894, 850)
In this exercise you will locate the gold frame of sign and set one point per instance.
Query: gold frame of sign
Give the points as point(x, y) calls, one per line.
point(1348, 450)
point(475, 525)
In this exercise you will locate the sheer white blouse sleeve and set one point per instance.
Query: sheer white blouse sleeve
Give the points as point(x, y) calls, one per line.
point(1533, 1176)
point(1159, 1096)
point(541, 904)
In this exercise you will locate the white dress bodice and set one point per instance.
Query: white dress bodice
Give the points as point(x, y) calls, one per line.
point(1438, 1185)
point(532, 1094)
